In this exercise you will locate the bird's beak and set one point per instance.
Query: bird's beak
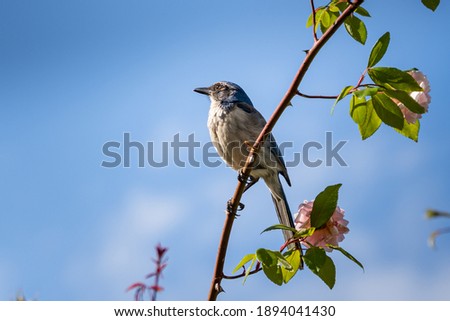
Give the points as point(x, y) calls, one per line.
point(203, 90)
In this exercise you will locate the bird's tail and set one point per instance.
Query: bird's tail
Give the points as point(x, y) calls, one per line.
point(282, 207)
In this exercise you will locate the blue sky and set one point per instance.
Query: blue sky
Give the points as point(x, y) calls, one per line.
point(77, 74)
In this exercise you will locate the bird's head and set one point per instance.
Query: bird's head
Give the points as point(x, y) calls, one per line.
point(224, 92)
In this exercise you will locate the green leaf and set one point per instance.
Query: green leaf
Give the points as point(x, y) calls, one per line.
point(341, 96)
point(363, 12)
point(379, 49)
point(309, 21)
point(348, 255)
point(388, 111)
point(407, 100)
point(273, 273)
point(266, 257)
point(270, 258)
point(281, 260)
point(364, 115)
point(356, 29)
point(244, 261)
point(270, 266)
point(279, 227)
point(294, 259)
point(393, 78)
point(325, 20)
point(410, 131)
point(319, 12)
point(333, 8)
point(333, 15)
point(328, 272)
point(321, 265)
point(341, 5)
point(315, 258)
point(431, 4)
point(367, 91)
point(250, 267)
point(304, 232)
point(343, 93)
point(324, 205)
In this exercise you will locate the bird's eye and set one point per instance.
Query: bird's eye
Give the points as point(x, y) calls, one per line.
point(220, 87)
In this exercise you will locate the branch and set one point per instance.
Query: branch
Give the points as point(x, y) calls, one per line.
point(313, 9)
point(232, 207)
point(316, 96)
point(361, 79)
point(255, 270)
point(335, 96)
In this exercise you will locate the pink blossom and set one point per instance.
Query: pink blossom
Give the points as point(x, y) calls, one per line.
point(422, 97)
point(332, 233)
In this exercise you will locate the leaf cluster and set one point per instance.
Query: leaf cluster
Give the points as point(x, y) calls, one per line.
point(326, 16)
point(281, 267)
point(373, 104)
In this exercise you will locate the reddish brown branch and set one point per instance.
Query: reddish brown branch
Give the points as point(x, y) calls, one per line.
point(254, 271)
point(315, 96)
point(313, 10)
point(216, 287)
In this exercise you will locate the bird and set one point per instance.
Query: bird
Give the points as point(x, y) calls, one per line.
point(234, 124)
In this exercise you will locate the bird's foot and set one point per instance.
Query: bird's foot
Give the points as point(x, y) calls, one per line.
point(230, 207)
point(241, 177)
point(250, 180)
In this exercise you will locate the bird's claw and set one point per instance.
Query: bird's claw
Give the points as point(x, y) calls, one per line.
point(248, 144)
point(230, 207)
point(241, 177)
point(249, 180)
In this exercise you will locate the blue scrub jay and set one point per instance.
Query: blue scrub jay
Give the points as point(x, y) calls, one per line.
point(233, 125)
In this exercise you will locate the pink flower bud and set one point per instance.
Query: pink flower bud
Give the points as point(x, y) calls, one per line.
point(332, 233)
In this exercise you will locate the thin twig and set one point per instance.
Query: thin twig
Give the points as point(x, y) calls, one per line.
point(313, 9)
point(335, 96)
point(361, 79)
point(315, 96)
point(255, 270)
point(216, 287)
